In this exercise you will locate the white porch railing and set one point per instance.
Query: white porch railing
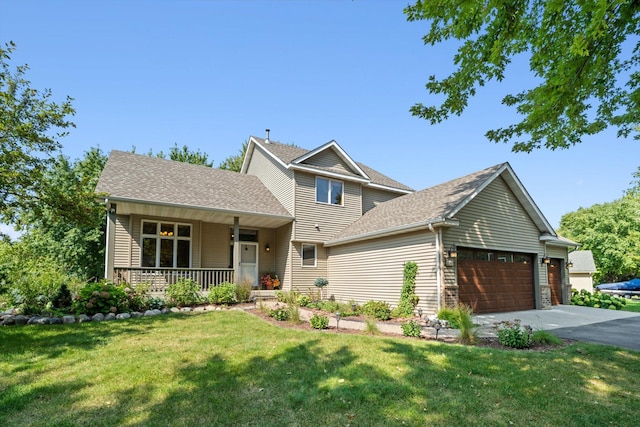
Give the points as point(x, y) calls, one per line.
point(159, 278)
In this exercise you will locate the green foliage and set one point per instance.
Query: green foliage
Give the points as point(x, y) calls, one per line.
point(377, 309)
point(186, 155)
point(319, 322)
point(183, 293)
point(512, 334)
point(320, 282)
point(586, 80)
point(596, 300)
point(408, 298)
point(612, 232)
point(468, 331)
point(370, 326)
point(31, 125)
point(288, 297)
point(101, 297)
point(224, 293)
point(411, 329)
point(234, 163)
point(281, 313)
point(304, 300)
point(544, 337)
point(243, 292)
point(449, 314)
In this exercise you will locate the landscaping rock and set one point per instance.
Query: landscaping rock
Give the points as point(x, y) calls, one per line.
point(165, 310)
point(200, 308)
point(136, 314)
point(175, 310)
point(186, 309)
point(153, 312)
point(98, 317)
point(39, 321)
point(68, 319)
point(84, 318)
point(110, 316)
point(123, 316)
point(8, 312)
point(9, 320)
point(55, 321)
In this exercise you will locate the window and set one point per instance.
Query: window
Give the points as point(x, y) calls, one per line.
point(308, 255)
point(166, 244)
point(329, 191)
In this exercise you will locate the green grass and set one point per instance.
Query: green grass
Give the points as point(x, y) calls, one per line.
point(632, 304)
point(230, 368)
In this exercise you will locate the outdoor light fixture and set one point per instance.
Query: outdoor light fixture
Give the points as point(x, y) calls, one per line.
point(267, 248)
point(569, 264)
point(112, 208)
point(420, 312)
point(452, 252)
point(354, 307)
point(545, 260)
point(338, 316)
point(437, 325)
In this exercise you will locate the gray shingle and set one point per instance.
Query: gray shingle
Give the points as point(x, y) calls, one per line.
point(582, 262)
point(150, 179)
point(433, 203)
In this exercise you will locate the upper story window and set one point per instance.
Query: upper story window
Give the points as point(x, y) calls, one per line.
point(166, 244)
point(329, 191)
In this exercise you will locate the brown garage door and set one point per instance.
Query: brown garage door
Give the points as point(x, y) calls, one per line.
point(492, 281)
point(554, 273)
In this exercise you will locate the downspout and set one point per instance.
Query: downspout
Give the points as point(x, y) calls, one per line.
point(106, 240)
point(438, 264)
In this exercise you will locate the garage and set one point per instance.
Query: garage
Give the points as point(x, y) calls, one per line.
point(495, 281)
point(554, 274)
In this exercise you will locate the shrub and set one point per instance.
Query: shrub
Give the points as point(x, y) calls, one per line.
point(224, 293)
point(377, 309)
point(449, 314)
point(304, 300)
point(512, 334)
point(462, 316)
point(281, 314)
point(596, 300)
point(411, 329)
point(243, 292)
point(288, 297)
point(408, 298)
point(319, 322)
point(101, 297)
point(184, 292)
point(294, 314)
point(544, 337)
point(138, 297)
point(320, 283)
point(370, 326)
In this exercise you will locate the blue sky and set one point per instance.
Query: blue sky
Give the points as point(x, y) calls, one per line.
point(208, 74)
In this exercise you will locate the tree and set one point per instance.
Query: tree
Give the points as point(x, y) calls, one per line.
point(234, 163)
point(589, 78)
point(187, 156)
point(612, 232)
point(31, 125)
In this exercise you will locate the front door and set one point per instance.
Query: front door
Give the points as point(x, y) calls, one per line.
point(249, 264)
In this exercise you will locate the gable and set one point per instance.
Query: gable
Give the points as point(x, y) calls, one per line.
point(331, 161)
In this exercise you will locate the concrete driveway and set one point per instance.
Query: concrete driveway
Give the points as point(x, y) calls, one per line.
point(611, 327)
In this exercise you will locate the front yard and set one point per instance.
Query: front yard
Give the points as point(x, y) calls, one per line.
point(233, 368)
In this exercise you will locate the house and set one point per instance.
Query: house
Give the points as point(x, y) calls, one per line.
point(581, 270)
point(303, 214)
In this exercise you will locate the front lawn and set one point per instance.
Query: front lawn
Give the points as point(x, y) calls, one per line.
point(633, 304)
point(232, 368)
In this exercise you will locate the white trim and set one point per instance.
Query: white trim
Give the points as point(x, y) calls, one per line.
point(329, 194)
point(175, 238)
point(315, 255)
point(257, 263)
point(386, 187)
point(341, 153)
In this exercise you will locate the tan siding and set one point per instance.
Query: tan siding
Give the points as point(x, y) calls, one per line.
point(331, 219)
point(266, 260)
point(371, 197)
point(276, 178)
point(283, 258)
point(215, 245)
point(581, 281)
point(557, 252)
point(373, 270)
point(135, 241)
point(122, 250)
point(304, 277)
point(329, 159)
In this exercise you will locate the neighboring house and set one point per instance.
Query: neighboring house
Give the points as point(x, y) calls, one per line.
point(581, 269)
point(303, 214)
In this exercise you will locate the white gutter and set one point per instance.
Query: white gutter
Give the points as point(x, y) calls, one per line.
point(438, 264)
point(330, 174)
point(106, 250)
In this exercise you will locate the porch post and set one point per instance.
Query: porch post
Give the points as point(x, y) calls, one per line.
point(236, 250)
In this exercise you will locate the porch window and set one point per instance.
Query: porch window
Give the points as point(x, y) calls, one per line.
point(309, 256)
point(329, 191)
point(166, 244)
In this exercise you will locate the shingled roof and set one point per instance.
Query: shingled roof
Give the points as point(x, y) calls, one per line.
point(288, 154)
point(146, 179)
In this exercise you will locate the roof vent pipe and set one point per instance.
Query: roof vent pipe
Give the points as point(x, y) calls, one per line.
point(267, 138)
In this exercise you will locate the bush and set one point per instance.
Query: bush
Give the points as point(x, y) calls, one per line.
point(140, 298)
point(411, 329)
point(408, 298)
point(462, 316)
point(370, 326)
point(101, 297)
point(304, 300)
point(281, 314)
point(544, 337)
point(183, 293)
point(319, 322)
point(224, 293)
point(288, 297)
point(377, 309)
point(243, 292)
point(449, 314)
point(596, 300)
point(512, 334)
